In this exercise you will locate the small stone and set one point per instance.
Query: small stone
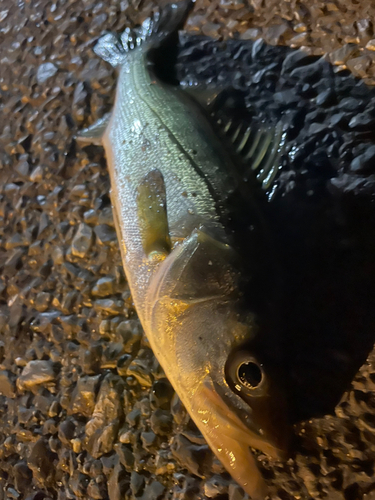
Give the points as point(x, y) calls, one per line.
point(82, 241)
point(196, 458)
point(349, 104)
point(42, 461)
point(326, 98)
point(141, 372)
point(362, 121)
point(96, 491)
point(122, 364)
point(91, 217)
point(45, 71)
point(66, 431)
point(365, 161)
point(35, 373)
point(215, 486)
point(153, 491)
point(161, 422)
point(359, 65)
point(7, 385)
point(104, 286)
point(133, 417)
point(106, 234)
point(235, 492)
point(294, 59)
point(137, 483)
point(84, 395)
point(110, 306)
point(339, 56)
point(125, 455)
point(161, 394)
point(102, 429)
point(118, 483)
point(37, 174)
point(22, 476)
point(148, 439)
point(42, 301)
point(131, 333)
point(78, 483)
point(370, 45)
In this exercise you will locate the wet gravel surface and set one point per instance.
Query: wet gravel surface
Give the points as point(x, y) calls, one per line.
point(85, 410)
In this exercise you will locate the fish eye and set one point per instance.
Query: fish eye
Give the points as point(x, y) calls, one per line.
point(250, 374)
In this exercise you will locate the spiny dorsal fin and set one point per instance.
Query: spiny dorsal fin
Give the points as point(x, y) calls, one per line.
point(258, 147)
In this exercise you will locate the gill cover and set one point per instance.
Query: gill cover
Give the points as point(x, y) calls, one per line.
point(203, 341)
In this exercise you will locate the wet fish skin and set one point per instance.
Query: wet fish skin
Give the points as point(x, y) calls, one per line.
point(170, 176)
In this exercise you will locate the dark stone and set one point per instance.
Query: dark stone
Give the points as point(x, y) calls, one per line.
point(123, 363)
point(137, 483)
point(125, 455)
point(350, 104)
point(105, 234)
point(104, 286)
point(148, 439)
point(78, 483)
point(161, 422)
point(131, 333)
point(161, 394)
point(215, 486)
point(22, 476)
point(365, 161)
point(153, 491)
point(109, 462)
point(118, 483)
point(133, 418)
point(326, 98)
point(84, 395)
point(287, 97)
point(362, 121)
point(102, 429)
point(196, 458)
point(82, 241)
point(66, 431)
point(41, 462)
point(140, 370)
point(35, 373)
point(7, 385)
point(295, 59)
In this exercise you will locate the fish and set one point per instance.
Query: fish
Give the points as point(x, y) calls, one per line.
point(172, 181)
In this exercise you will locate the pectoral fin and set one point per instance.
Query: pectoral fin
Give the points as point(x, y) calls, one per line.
point(152, 216)
point(94, 133)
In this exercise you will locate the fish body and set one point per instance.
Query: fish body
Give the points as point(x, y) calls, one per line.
point(170, 178)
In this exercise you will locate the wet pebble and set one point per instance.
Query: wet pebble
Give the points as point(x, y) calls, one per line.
point(137, 483)
point(45, 71)
point(7, 385)
point(42, 462)
point(118, 483)
point(82, 241)
point(196, 458)
point(35, 373)
point(104, 286)
point(106, 234)
point(140, 370)
point(365, 161)
point(161, 422)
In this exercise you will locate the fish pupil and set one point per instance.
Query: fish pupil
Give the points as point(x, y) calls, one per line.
point(249, 374)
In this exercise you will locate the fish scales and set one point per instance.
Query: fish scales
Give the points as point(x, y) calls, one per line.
point(170, 178)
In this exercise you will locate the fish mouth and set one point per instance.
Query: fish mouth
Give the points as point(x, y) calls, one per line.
point(230, 439)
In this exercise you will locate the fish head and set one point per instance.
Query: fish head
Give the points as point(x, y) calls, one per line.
point(208, 345)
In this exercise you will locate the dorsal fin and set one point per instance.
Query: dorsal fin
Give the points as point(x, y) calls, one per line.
point(258, 147)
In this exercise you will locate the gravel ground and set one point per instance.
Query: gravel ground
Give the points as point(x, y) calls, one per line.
point(85, 410)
